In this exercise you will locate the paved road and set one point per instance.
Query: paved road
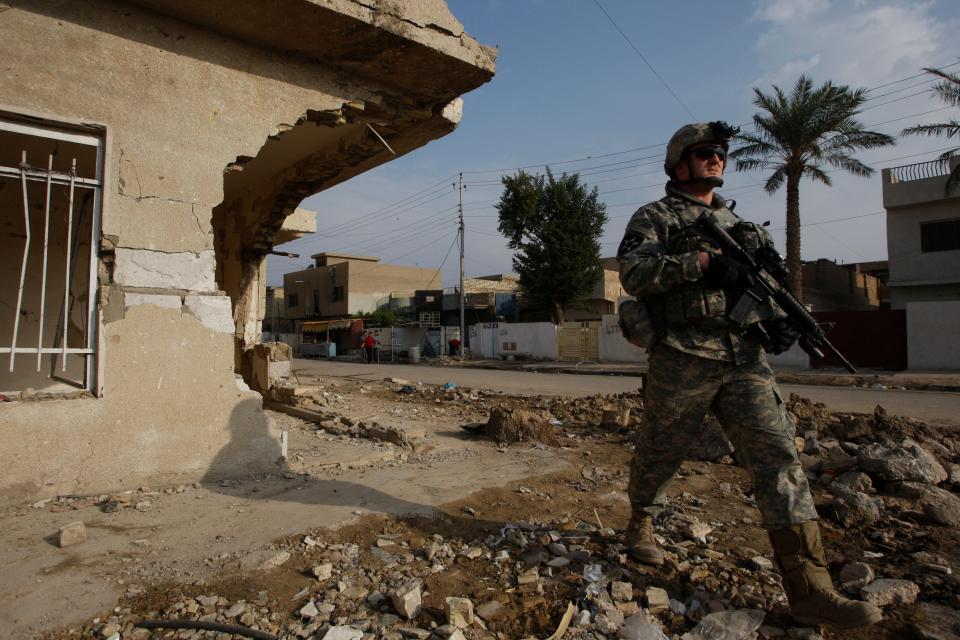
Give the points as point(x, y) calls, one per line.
point(930, 406)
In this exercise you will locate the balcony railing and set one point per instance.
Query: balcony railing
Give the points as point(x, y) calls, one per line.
point(919, 171)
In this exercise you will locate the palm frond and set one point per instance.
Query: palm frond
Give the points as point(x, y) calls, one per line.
point(949, 129)
point(817, 174)
point(775, 181)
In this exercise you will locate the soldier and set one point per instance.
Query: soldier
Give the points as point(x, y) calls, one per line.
point(699, 360)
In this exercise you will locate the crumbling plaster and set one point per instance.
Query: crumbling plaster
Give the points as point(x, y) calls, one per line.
point(171, 406)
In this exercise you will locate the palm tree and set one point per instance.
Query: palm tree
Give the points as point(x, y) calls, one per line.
point(796, 136)
point(949, 92)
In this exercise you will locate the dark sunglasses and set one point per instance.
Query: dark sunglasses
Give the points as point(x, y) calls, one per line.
point(706, 153)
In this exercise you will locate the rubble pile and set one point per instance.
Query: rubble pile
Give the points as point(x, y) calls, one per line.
point(528, 579)
point(886, 488)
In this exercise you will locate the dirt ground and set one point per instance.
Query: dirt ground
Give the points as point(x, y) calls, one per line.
point(458, 511)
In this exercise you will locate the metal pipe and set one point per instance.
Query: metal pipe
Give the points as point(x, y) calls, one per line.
point(66, 275)
point(26, 253)
point(43, 277)
point(207, 626)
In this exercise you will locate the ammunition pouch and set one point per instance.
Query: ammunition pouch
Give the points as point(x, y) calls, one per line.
point(636, 324)
point(688, 303)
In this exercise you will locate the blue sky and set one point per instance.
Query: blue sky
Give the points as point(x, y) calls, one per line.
point(569, 87)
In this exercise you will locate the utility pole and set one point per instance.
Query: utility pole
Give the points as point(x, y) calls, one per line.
point(463, 335)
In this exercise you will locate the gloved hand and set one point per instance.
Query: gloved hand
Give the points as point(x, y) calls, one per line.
point(782, 335)
point(727, 273)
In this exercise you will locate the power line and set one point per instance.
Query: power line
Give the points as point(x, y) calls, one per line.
point(644, 58)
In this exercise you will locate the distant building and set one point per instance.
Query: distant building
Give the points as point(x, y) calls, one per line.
point(923, 234)
point(341, 285)
point(828, 286)
point(490, 298)
point(923, 246)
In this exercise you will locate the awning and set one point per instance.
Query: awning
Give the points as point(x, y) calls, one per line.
point(323, 325)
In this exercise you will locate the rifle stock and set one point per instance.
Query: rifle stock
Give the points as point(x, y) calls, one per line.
point(770, 278)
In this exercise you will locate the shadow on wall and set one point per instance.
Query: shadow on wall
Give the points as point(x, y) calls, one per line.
point(251, 443)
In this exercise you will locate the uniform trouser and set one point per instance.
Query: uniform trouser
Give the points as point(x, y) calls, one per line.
point(744, 397)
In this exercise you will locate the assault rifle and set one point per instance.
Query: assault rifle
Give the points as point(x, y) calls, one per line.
point(769, 280)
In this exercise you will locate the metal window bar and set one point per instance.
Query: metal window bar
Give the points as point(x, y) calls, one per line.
point(27, 174)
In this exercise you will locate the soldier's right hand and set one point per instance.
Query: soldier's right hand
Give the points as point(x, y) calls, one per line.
point(724, 272)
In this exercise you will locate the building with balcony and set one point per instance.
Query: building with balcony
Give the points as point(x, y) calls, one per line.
point(923, 246)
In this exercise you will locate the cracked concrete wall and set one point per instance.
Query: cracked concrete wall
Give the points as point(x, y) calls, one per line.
point(214, 134)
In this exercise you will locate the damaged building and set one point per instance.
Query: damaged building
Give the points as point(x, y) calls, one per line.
point(150, 154)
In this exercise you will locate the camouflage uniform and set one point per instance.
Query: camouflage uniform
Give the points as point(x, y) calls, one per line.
point(701, 361)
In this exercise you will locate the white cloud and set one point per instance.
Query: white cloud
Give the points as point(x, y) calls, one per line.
point(858, 44)
point(782, 11)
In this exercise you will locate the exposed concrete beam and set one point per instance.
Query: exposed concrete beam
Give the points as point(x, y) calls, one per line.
point(418, 47)
point(300, 223)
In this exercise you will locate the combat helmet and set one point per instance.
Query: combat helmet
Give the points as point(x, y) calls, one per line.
point(697, 133)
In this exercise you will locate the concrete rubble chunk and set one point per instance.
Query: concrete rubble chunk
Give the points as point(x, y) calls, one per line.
point(851, 507)
point(856, 480)
point(728, 625)
point(322, 571)
point(887, 591)
point(641, 627)
point(73, 533)
point(490, 610)
point(343, 633)
point(855, 576)
point(309, 611)
point(459, 611)
point(907, 462)
point(214, 312)
point(621, 591)
point(407, 598)
point(939, 505)
point(657, 599)
point(263, 560)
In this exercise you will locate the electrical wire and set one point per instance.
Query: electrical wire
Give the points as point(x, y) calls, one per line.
point(644, 58)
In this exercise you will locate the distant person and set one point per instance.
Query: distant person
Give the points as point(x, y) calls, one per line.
point(369, 342)
point(454, 345)
point(700, 360)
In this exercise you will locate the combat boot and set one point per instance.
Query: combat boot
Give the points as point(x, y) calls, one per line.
point(813, 599)
point(640, 541)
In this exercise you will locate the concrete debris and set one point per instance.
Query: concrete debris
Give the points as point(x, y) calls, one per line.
point(728, 625)
point(855, 576)
point(938, 505)
point(459, 611)
point(343, 633)
point(909, 461)
point(407, 599)
point(887, 591)
point(640, 627)
point(263, 560)
point(69, 534)
point(508, 425)
point(513, 578)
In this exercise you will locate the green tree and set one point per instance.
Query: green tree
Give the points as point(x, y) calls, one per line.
point(949, 92)
point(797, 136)
point(381, 318)
point(554, 226)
